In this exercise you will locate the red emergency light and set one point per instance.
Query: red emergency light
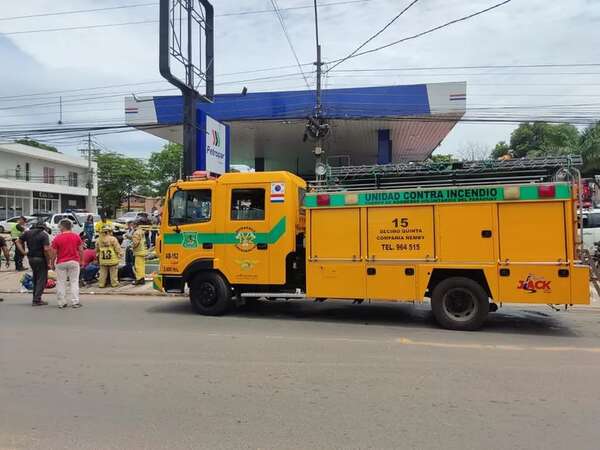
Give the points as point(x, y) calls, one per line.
point(547, 191)
point(322, 199)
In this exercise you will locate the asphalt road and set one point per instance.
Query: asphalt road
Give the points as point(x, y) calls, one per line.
point(132, 373)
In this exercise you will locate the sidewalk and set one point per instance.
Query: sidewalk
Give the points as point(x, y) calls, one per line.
point(9, 284)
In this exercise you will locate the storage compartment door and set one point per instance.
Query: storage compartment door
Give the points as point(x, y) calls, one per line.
point(400, 233)
point(466, 233)
point(335, 268)
point(395, 281)
point(532, 232)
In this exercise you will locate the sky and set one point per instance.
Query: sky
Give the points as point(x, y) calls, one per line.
point(93, 69)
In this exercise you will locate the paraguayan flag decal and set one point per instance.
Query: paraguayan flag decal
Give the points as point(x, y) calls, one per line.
point(277, 192)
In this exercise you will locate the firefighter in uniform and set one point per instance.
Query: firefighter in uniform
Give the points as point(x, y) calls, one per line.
point(109, 253)
point(138, 245)
point(16, 230)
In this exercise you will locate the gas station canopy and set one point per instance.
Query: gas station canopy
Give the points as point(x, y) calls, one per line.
point(368, 125)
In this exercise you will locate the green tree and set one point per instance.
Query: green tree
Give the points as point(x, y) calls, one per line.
point(164, 167)
point(541, 139)
point(33, 143)
point(500, 149)
point(440, 158)
point(590, 149)
point(119, 176)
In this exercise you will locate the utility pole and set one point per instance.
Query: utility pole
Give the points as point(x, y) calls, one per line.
point(60, 110)
point(90, 178)
point(316, 125)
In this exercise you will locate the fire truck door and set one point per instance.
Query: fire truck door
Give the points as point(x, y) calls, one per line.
point(189, 230)
point(247, 229)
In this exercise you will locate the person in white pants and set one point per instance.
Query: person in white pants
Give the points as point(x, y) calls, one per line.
point(67, 272)
point(68, 254)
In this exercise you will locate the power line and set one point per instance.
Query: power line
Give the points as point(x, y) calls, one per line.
point(148, 21)
point(122, 94)
point(78, 11)
point(431, 30)
point(289, 40)
point(358, 70)
point(291, 8)
point(490, 66)
point(81, 27)
point(387, 25)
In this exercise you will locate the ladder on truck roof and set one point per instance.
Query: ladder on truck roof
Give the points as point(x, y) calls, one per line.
point(430, 174)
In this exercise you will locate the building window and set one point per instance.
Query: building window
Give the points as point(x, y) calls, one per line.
point(18, 172)
point(27, 172)
point(73, 179)
point(248, 204)
point(49, 175)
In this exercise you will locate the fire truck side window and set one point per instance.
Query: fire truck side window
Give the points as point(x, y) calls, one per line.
point(190, 207)
point(248, 204)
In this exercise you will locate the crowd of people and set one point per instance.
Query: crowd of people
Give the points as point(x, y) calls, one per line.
point(79, 258)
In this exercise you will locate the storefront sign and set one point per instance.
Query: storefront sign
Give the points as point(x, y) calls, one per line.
point(47, 195)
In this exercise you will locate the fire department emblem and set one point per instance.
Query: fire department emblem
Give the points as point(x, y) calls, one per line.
point(189, 240)
point(246, 239)
point(246, 264)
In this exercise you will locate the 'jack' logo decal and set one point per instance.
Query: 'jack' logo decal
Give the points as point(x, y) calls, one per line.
point(533, 284)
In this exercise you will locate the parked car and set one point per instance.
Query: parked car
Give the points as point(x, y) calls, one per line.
point(53, 221)
point(82, 216)
point(129, 216)
point(6, 224)
point(591, 227)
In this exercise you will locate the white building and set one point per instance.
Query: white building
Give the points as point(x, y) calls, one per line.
point(34, 180)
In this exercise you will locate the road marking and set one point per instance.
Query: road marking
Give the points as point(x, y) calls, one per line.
point(406, 341)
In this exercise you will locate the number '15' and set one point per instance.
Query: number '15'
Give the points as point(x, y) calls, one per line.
point(402, 222)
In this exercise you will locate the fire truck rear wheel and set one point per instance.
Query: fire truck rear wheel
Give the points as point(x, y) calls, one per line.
point(210, 295)
point(460, 303)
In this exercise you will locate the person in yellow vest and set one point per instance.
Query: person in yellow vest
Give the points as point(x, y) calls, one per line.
point(16, 230)
point(138, 245)
point(103, 223)
point(109, 253)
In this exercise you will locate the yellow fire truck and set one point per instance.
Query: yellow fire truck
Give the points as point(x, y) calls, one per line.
point(469, 242)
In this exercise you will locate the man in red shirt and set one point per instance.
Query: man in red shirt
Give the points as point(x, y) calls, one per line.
point(68, 254)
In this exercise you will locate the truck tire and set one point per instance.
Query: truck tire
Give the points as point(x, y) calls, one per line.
point(460, 303)
point(210, 294)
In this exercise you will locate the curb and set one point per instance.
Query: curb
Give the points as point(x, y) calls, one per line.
point(127, 294)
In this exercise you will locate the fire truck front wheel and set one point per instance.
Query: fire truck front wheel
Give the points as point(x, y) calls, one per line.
point(210, 294)
point(460, 303)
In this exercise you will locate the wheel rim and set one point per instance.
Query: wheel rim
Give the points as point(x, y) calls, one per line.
point(460, 304)
point(207, 294)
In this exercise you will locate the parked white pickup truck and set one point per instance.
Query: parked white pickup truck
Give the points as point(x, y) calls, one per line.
point(591, 227)
point(53, 221)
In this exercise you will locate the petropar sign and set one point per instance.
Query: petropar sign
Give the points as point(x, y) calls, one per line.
point(213, 145)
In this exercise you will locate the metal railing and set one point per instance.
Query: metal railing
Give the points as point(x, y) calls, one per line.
point(63, 180)
point(421, 174)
